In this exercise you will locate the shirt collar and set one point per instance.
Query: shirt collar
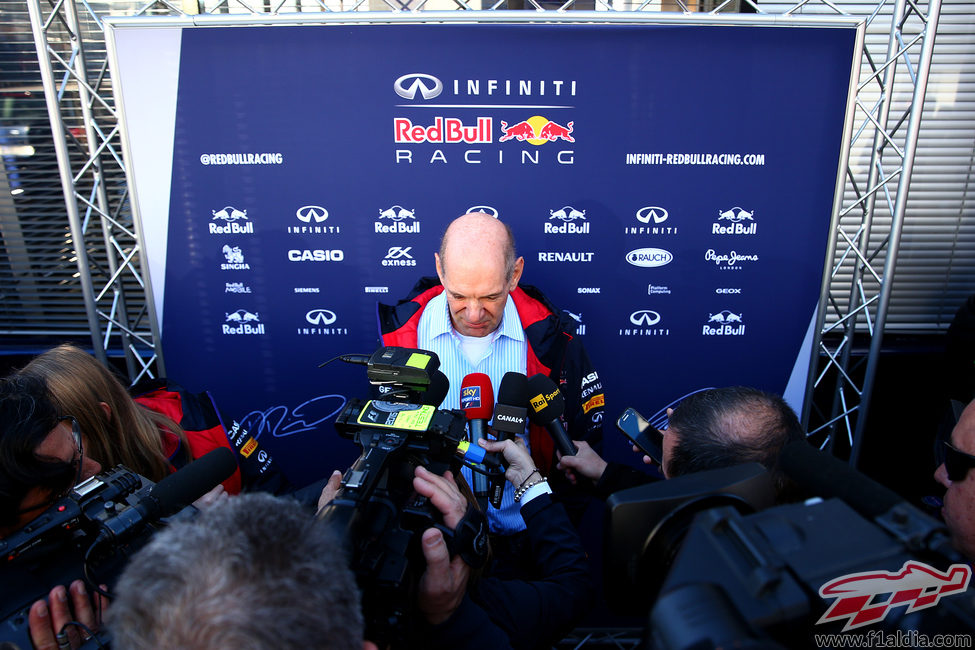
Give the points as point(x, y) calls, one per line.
point(439, 322)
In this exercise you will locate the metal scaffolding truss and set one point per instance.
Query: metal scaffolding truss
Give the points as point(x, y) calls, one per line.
point(868, 216)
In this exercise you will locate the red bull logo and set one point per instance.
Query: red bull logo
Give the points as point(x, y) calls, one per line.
point(536, 130)
point(916, 585)
point(448, 130)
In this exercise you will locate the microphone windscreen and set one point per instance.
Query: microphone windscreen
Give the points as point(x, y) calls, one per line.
point(179, 490)
point(513, 389)
point(477, 396)
point(437, 390)
point(545, 400)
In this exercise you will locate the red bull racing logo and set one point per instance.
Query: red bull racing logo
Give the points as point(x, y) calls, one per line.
point(916, 585)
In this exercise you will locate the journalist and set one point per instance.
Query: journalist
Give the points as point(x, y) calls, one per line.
point(41, 459)
point(959, 481)
point(255, 572)
point(710, 429)
point(529, 613)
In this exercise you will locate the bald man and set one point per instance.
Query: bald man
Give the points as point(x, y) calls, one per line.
point(959, 481)
point(477, 318)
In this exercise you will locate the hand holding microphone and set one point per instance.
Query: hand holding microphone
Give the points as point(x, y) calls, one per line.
point(477, 402)
point(546, 406)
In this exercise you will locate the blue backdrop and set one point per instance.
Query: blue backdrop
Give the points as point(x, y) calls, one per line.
point(669, 185)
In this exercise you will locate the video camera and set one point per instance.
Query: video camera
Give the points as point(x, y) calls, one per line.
point(91, 533)
point(379, 514)
point(732, 572)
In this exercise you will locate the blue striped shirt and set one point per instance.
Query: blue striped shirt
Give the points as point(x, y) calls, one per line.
point(508, 353)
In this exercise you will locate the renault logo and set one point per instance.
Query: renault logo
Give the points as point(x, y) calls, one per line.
point(645, 317)
point(320, 317)
point(308, 212)
point(427, 85)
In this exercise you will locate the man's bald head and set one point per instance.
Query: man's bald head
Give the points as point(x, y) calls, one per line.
point(478, 269)
point(481, 236)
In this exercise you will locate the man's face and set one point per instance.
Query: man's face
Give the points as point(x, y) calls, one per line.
point(959, 500)
point(476, 292)
point(59, 445)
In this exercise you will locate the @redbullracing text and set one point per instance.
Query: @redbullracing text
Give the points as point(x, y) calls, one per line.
point(717, 159)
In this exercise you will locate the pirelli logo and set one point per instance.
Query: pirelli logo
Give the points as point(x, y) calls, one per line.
point(248, 448)
point(596, 401)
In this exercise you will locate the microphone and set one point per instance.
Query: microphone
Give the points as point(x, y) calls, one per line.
point(437, 390)
point(175, 492)
point(510, 417)
point(477, 402)
point(546, 406)
point(511, 411)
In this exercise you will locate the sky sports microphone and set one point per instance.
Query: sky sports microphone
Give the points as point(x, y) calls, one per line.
point(511, 411)
point(546, 406)
point(477, 402)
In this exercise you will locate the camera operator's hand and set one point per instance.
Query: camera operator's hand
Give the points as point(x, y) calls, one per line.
point(444, 583)
point(331, 488)
point(443, 494)
point(520, 463)
point(47, 621)
point(586, 462)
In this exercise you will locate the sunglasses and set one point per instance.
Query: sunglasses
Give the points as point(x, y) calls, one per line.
point(957, 463)
point(78, 462)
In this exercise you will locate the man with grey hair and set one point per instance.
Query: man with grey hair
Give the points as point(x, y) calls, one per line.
point(254, 572)
point(477, 319)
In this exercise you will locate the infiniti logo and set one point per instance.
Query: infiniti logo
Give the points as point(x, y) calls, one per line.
point(320, 317)
point(308, 212)
point(658, 214)
point(645, 317)
point(486, 209)
point(408, 85)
